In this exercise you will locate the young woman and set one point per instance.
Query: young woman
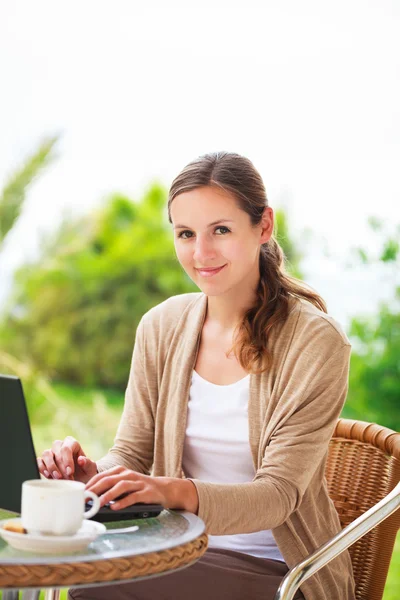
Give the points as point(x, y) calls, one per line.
point(261, 373)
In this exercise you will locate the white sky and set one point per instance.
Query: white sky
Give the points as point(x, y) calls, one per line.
point(309, 91)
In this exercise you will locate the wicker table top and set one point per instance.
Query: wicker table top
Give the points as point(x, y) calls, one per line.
point(172, 540)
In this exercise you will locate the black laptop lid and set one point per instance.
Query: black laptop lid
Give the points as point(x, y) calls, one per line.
point(17, 453)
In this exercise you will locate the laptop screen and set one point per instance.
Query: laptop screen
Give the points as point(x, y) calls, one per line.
point(17, 453)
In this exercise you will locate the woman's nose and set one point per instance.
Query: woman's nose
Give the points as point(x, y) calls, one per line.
point(204, 250)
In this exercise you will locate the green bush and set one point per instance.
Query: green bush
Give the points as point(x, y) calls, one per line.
point(74, 312)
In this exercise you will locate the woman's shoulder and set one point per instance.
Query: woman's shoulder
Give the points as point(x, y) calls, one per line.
point(306, 322)
point(175, 308)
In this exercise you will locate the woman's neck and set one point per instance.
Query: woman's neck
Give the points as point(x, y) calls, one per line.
point(224, 314)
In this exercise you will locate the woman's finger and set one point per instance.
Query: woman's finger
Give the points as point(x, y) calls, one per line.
point(139, 495)
point(42, 468)
point(59, 461)
point(65, 459)
point(88, 466)
point(51, 467)
point(59, 471)
point(108, 482)
point(122, 487)
point(100, 476)
point(70, 450)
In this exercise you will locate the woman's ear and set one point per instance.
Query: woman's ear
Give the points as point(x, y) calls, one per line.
point(267, 224)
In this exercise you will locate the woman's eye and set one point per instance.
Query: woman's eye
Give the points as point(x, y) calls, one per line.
point(223, 227)
point(181, 234)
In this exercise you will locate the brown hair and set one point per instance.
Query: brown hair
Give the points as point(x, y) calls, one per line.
point(238, 176)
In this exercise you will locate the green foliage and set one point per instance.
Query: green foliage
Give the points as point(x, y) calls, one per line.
point(392, 587)
point(388, 242)
point(292, 254)
point(390, 251)
point(13, 195)
point(89, 414)
point(74, 312)
point(374, 385)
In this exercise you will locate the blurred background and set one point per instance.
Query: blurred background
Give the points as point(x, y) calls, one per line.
point(102, 105)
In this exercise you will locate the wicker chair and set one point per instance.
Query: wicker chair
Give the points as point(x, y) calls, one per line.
point(363, 469)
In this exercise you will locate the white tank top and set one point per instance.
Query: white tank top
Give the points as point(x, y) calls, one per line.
point(217, 450)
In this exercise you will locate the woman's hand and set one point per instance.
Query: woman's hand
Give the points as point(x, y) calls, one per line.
point(170, 492)
point(66, 460)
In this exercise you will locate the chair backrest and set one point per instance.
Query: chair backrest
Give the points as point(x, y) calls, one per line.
point(363, 467)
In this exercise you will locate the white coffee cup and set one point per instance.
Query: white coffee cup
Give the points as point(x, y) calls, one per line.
point(55, 507)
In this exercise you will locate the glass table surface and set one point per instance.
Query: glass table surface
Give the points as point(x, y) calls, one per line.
point(170, 529)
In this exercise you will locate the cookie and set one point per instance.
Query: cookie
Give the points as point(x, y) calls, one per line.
point(15, 527)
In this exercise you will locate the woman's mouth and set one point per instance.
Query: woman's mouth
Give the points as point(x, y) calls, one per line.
point(210, 272)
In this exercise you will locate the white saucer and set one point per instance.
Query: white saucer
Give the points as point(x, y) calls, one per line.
point(46, 544)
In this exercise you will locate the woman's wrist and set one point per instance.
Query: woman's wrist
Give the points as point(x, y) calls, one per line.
point(181, 494)
point(191, 495)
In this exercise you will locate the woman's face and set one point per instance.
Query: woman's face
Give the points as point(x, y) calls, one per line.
point(210, 230)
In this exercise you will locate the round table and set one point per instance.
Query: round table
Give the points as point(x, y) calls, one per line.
point(167, 543)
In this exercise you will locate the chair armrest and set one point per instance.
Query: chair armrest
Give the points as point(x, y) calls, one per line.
point(350, 534)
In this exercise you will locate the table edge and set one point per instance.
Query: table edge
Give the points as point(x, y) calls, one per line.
point(197, 528)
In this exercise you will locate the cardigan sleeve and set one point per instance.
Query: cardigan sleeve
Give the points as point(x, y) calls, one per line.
point(313, 398)
point(134, 442)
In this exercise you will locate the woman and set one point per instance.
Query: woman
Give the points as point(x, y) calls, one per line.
point(261, 371)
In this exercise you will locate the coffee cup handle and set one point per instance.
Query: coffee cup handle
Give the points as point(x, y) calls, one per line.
point(96, 505)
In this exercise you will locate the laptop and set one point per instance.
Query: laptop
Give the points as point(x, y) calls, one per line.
point(18, 457)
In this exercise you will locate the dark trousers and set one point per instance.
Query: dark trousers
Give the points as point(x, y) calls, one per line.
point(217, 575)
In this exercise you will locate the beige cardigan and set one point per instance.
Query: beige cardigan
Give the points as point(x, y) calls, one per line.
point(293, 409)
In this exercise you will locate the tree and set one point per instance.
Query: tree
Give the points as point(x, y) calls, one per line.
point(13, 195)
point(292, 254)
point(374, 387)
point(74, 311)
